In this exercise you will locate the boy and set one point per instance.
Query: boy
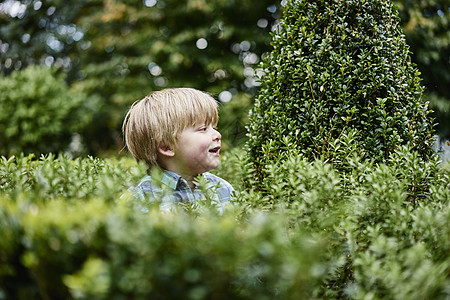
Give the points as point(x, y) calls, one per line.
point(175, 130)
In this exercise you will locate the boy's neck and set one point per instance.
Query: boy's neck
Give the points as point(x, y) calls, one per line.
point(190, 181)
point(171, 165)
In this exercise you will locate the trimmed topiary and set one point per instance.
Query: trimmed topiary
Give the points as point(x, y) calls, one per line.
point(339, 82)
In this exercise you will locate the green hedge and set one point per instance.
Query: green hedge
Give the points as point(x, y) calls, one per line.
point(93, 249)
point(69, 229)
point(388, 222)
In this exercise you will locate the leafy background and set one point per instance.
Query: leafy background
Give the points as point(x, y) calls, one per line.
point(116, 52)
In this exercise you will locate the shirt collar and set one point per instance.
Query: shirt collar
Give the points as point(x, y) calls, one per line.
point(172, 180)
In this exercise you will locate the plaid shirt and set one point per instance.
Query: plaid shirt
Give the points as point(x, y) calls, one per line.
point(172, 189)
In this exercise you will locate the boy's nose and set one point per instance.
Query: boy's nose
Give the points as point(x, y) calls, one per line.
point(216, 135)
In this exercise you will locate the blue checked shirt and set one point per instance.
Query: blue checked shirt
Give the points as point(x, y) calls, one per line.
point(172, 189)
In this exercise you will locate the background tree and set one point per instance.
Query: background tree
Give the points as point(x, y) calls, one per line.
point(37, 32)
point(426, 25)
point(121, 51)
point(148, 45)
point(339, 81)
point(39, 113)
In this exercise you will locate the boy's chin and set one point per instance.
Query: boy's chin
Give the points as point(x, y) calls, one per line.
point(212, 167)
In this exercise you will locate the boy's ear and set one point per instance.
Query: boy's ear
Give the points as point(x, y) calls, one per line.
point(166, 151)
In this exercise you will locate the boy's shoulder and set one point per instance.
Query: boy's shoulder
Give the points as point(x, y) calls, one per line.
point(164, 178)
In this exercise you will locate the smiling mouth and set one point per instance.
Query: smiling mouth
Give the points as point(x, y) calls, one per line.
point(215, 150)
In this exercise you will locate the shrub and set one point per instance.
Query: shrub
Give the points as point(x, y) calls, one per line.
point(69, 230)
point(92, 249)
point(50, 178)
point(338, 69)
point(39, 112)
point(375, 217)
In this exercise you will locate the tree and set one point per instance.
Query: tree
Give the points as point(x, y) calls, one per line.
point(36, 32)
point(426, 25)
point(339, 82)
point(40, 114)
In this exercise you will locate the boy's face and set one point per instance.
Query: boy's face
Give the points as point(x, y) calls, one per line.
point(197, 149)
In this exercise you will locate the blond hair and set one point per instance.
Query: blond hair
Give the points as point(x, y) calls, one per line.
point(156, 120)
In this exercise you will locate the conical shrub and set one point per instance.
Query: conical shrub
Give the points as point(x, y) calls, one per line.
point(339, 82)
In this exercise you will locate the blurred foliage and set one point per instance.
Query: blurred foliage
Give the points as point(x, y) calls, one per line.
point(49, 177)
point(69, 229)
point(37, 32)
point(121, 51)
point(339, 82)
point(39, 112)
point(426, 25)
point(233, 117)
